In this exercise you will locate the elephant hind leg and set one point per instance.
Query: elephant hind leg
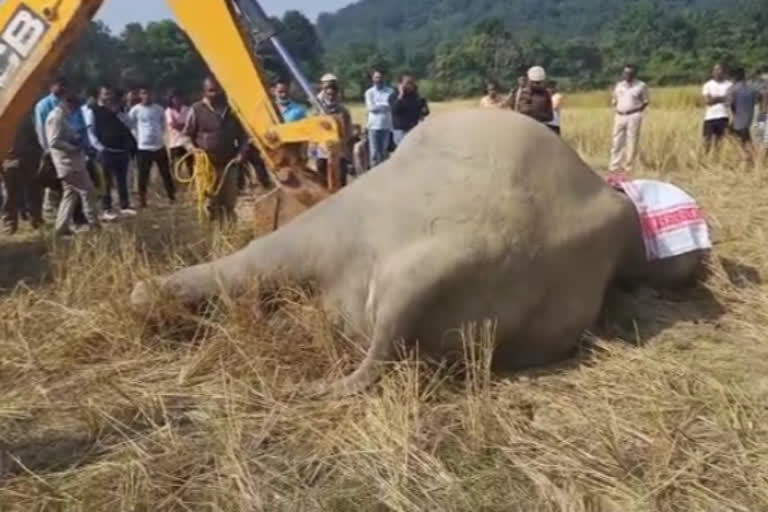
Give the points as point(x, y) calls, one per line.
point(405, 290)
point(381, 351)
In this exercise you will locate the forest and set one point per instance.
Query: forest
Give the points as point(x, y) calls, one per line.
point(453, 46)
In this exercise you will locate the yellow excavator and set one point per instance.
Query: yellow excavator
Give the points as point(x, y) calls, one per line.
point(36, 35)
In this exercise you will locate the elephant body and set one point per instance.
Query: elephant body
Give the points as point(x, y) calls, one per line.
point(480, 214)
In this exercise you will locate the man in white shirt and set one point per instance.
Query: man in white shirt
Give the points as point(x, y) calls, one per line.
point(378, 103)
point(148, 122)
point(715, 93)
point(630, 99)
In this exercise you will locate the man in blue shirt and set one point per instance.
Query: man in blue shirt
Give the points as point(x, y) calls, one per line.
point(46, 105)
point(290, 110)
point(44, 108)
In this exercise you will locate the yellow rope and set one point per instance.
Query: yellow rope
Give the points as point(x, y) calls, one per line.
point(204, 177)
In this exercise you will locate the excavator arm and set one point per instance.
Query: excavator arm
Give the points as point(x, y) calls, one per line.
point(218, 29)
point(36, 35)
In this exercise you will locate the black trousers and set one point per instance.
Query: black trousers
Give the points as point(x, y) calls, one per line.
point(23, 192)
point(144, 161)
point(115, 165)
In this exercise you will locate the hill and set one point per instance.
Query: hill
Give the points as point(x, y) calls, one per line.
point(425, 21)
point(582, 41)
point(453, 46)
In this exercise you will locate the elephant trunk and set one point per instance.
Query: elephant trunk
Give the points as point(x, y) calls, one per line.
point(272, 257)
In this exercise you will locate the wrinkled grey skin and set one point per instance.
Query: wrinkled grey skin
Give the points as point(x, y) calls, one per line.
point(479, 214)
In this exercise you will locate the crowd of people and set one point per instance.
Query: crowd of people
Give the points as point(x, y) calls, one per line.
point(391, 114)
point(534, 96)
point(70, 153)
point(732, 103)
point(735, 108)
point(539, 98)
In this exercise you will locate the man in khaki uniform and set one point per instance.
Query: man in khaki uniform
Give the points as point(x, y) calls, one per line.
point(630, 99)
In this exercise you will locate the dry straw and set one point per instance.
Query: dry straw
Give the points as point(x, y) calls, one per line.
point(663, 410)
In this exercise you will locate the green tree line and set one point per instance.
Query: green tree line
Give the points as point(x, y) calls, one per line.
point(582, 43)
point(454, 46)
point(161, 56)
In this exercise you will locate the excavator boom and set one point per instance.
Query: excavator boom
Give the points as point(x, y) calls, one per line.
point(216, 29)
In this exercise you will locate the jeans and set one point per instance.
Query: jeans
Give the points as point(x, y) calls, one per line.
point(144, 161)
point(398, 136)
point(115, 166)
point(378, 141)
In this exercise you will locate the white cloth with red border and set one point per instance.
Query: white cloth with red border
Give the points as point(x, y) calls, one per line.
point(673, 224)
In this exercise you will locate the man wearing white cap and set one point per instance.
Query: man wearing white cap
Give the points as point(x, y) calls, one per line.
point(326, 80)
point(630, 99)
point(534, 99)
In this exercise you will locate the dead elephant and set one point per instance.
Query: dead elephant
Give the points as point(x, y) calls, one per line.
point(479, 214)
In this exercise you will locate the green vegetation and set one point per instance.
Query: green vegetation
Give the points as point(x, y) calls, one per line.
point(453, 46)
point(161, 56)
